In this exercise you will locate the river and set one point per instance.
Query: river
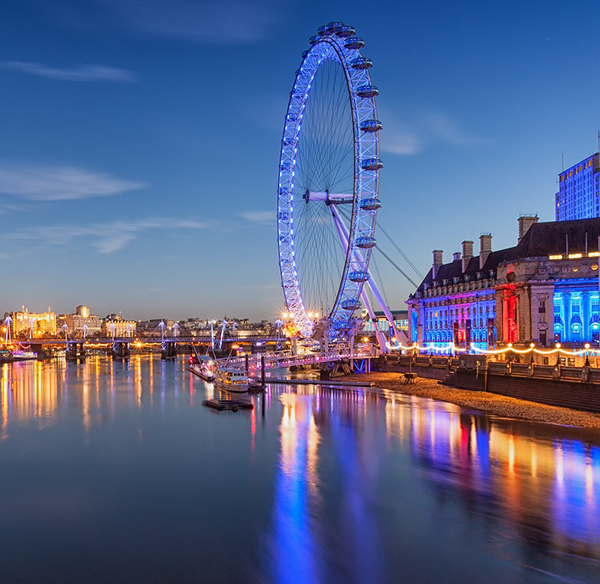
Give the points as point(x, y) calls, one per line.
point(116, 472)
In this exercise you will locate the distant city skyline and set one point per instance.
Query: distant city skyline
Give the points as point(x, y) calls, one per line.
point(139, 145)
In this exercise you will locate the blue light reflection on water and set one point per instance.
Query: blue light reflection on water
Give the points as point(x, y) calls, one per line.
point(122, 460)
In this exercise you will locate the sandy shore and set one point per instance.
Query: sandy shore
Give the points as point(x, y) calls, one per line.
point(496, 404)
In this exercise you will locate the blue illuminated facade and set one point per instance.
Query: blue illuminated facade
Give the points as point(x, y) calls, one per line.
point(543, 291)
point(456, 303)
point(576, 311)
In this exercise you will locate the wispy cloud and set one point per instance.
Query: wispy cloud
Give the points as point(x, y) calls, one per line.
point(420, 129)
point(107, 237)
point(206, 21)
point(6, 208)
point(59, 183)
point(86, 73)
point(258, 216)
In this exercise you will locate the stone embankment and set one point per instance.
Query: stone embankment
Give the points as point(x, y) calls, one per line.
point(495, 404)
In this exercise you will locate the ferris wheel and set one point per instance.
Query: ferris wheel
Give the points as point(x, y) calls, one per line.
point(329, 183)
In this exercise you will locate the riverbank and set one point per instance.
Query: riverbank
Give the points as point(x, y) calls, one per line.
point(489, 402)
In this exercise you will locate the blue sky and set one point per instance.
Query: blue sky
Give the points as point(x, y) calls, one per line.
point(139, 140)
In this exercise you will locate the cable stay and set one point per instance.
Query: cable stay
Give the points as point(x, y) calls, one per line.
point(389, 259)
point(379, 226)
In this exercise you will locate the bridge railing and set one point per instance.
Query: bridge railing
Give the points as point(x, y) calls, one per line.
point(275, 360)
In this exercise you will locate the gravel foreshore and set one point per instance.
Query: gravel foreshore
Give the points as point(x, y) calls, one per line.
point(496, 404)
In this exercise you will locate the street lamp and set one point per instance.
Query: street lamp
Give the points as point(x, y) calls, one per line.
point(587, 355)
point(532, 346)
point(558, 353)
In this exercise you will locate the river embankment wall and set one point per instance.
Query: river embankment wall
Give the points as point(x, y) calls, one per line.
point(568, 387)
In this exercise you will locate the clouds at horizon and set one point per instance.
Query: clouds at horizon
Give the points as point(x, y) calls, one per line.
point(258, 216)
point(35, 182)
point(81, 73)
point(414, 131)
point(104, 237)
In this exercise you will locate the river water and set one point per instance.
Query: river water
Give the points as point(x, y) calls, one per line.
point(116, 472)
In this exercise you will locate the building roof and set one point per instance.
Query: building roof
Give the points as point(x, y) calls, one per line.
point(540, 240)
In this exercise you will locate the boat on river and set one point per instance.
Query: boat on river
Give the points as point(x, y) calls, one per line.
point(8, 356)
point(231, 379)
point(203, 366)
point(19, 355)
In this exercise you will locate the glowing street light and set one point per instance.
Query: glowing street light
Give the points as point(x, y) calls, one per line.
point(587, 354)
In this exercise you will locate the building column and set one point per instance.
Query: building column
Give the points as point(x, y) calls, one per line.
point(585, 317)
point(567, 315)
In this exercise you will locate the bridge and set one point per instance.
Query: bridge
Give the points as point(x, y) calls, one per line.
point(146, 340)
point(254, 364)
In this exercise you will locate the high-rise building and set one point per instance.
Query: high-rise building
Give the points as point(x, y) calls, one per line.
point(578, 196)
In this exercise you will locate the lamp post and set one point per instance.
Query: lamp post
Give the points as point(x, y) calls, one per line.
point(558, 353)
point(532, 346)
point(587, 355)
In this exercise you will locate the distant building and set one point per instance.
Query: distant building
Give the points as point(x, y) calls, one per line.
point(115, 326)
point(32, 324)
point(80, 323)
point(578, 196)
point(543, 290)
point(400, 320)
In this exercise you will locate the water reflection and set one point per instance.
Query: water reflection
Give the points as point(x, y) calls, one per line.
point(313, 485)
point(35, 391)
point(536, 487)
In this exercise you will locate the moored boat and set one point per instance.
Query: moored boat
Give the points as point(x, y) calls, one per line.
point(203, 366)
point(19, 355)
point(231, 379)
point(8, 356)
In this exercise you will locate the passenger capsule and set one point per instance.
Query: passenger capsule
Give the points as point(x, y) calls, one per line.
point(359, 276)
point(371, 164)
point(351, 304)
point(361, 63)
point(322, 30)
point(370, 204)
point(334, 27)
point(346, 31)
point(354, 43)
point(366, 242)
point(304, 53)
point(367, 91)
point(314, 39)
point(371, 126)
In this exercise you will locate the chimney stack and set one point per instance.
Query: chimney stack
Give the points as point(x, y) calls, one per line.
point(467, 247)
point(485, 248)
point(456, 255)
point(437, 261)
point(525, 222)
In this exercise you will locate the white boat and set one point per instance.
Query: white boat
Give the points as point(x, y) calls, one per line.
point(203, 366)
point(231, 379)
point(19, 355)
